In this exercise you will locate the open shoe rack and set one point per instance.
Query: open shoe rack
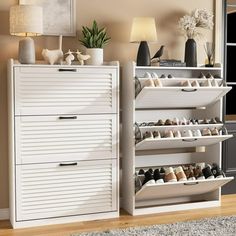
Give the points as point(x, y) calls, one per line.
point(169, 101)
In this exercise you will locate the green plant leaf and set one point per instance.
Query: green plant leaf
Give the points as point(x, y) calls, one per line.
point(94, 37)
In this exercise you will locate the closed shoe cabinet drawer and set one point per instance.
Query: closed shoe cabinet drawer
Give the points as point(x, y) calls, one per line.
point(65, 189)
point(44, 91)
point(63, 143)
point(41, 139)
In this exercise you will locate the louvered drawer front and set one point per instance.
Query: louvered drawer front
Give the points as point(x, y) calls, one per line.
point(65, 138)
point(83, 91)
point(51, 190)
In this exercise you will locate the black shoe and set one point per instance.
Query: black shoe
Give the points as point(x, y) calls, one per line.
point(157, 176)
point(150, 170)
point(207, 172)
point(141, 172)
point(148, 178)
point(216, 171)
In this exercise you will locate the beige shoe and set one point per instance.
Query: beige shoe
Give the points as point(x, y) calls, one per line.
point(195, 84)
point(149, 83)
point(157, 82)
point(185, 83)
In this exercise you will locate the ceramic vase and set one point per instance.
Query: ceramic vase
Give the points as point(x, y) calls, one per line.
point(190, 57)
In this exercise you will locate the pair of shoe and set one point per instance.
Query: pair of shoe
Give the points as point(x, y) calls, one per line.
point(152, 83)
point(174, 175)
point(203, 171)
point(214, 171)
point(150, 176)
point(210, 132)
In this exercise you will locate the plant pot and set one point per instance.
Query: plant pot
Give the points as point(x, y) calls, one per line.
point(190, 57)
point(96, 56)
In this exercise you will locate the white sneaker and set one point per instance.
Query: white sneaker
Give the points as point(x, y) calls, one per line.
point(147, 75)
point(154, 75)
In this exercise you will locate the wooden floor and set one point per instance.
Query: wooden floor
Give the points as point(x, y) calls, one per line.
point(228, 208)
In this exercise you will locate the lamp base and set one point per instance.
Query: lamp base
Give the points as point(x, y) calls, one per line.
point(143, 57)
point(26, 51)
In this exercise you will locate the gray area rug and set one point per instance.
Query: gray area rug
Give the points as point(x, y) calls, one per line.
point(219, 226)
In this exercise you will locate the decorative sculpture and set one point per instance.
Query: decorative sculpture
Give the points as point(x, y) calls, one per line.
point(54, 56)
point(81, 58)
point(70, 57)
point(159, 53)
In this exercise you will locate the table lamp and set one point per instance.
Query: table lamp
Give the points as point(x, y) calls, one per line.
point(143, 31)
point(26, 20)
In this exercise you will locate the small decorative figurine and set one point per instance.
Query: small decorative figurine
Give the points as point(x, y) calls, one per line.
point(54, 56)
point(81, 58)
point(69, 58)
point(159, 53)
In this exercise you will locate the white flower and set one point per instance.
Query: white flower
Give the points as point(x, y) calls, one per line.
point(200, 18)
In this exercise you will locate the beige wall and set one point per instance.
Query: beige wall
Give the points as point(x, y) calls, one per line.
point(117, 17)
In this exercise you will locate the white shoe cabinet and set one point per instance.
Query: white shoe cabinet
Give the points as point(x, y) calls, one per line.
point(167, 102)
point(63, 143)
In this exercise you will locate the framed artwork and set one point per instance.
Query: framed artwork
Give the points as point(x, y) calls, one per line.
point(58, 16)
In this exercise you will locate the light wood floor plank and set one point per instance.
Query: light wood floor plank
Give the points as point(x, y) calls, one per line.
point(228, 208)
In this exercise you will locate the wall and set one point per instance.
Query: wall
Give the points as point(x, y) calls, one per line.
point(117, 17)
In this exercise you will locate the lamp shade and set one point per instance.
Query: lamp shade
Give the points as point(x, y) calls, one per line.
point(143, 29)
point(26, 20)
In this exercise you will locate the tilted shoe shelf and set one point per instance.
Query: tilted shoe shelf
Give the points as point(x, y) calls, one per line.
point(182, 142)
point(179, 189)
point(179, 97)
point(171, 100)
point(177, 82)
point(163, 128)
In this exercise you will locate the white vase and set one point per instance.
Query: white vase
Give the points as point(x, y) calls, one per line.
point(96, 56)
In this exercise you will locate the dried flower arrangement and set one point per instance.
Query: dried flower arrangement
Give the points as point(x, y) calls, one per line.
point(199, 18)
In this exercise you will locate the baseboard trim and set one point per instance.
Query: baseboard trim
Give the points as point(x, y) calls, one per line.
point(4, 214)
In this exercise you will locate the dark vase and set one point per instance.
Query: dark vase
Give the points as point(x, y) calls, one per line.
point(190, 57)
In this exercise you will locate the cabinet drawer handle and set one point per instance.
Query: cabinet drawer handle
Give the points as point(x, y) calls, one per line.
point(67, 70)
point(189, 140)
point(190, 184)
point(67, 117)
point(68, 164)
point(188, 90)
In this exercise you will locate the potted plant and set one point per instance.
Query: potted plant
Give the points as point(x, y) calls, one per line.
point(94, 39)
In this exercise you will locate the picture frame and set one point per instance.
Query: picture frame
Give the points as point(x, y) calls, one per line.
point(59, 16)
